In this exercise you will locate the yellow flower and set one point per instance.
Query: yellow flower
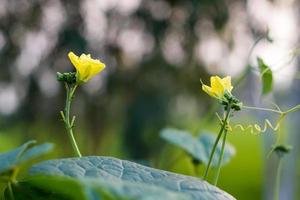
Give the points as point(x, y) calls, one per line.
point(218, 86)
point(86, 67)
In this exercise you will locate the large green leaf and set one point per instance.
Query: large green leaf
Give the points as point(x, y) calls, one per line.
point(94, 188)
point(26, 152)
point(208, 140)
point(11, 162)
point(112, 169)
point(266, 76)
point(186, 141)
point(199, 148)
point(9, 159)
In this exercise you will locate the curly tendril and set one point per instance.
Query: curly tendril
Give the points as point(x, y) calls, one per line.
point(254, 128)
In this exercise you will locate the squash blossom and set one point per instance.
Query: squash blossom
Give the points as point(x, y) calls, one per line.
point(86, 67)
point(218, 87)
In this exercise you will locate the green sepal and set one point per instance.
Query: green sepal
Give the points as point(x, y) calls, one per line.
point(67, 77)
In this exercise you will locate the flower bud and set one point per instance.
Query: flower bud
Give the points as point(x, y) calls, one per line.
point(86, 67)
point(281, 150)
point(68, 77)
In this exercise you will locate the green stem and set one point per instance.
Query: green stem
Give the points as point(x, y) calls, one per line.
point(277, 183)
point(262, 109)
point(216, 143)
point(66, 117)
point(293, 109)
point(220, 158)
point(10, 191)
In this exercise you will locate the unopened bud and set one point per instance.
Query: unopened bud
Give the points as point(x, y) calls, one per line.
point(281, 150)
point(68, 77)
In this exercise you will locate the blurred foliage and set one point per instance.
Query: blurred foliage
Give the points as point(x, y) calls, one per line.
point(266, 75)
point(151, 80)
point(198, 148)
point(137, 88)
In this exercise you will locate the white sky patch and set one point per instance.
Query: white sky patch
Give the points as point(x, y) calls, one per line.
point(103, 5)
point(135, 43)
point(48, 83)
point(36, 45)
point(172, 48)
point(127, 7)
point(8, 99)
point(95, 22)
point(281, 19)
point(225, 52)
point(34, 48)
point(210, 50)
point(53, 16)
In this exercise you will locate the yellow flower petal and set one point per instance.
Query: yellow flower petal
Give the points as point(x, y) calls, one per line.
point(227, 83)
point(86, 67)
point(74, 59)
point(207, 89)
point(218, 86)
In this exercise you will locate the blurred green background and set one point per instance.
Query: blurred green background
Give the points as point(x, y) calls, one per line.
point(156, 52)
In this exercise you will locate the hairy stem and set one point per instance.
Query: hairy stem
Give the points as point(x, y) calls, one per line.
point(70, 90)
point(220, 158)
point(10, 191)
point(277, 183)
point(216, 143)
point(294, 109)
point(262, 109)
